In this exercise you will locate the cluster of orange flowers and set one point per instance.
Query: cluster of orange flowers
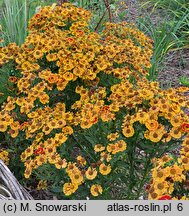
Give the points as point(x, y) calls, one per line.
point(8, 53)
point(151, 105)
point(129, 48)
point(91, 107)
point(80, 172)
point(59, 51)
point(169, 176)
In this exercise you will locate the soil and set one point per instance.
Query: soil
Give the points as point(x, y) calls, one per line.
point(177, 66)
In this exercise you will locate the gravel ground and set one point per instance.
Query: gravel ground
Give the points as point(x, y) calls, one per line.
point(175, 68)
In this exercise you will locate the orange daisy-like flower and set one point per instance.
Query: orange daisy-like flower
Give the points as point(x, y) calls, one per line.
point(61, 163)
point(71, 168)
point(44, 98)
point(23, 157)
point(42, 185)
point(27, 173)
point(76, 177)
point(69, 188)
point(4, 156)
point(160, 175)
point(39, 151)
point(41, 159)
point(112, 136)
point(104, 169)
point(185, 162)
point(185, 127)
point(155, 136)
point(152, 125)
point(51, 57)
point(105, 108)
point(53, 158)
point(96, 190)
point(186, 141)
point(3, 127)
point(50, 150)
point(85, 124)
point(68, 76)
point(176, 173)
point(38, 54)
point(52, 78)
point(67, 130)
point(23, 125)
point(166, 137)
point(121, 145)
point(81, 160)
point(128, 131)
point(60, 137)
point(175, 132)
point(13, 133)
point(13, 79)
point(99, 148)
point(111, 148)
point(91, 173)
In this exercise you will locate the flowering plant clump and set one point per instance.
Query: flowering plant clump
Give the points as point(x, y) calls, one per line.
point(84, 117)
point(170, 176)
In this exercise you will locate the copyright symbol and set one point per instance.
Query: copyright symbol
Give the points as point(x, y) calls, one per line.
point(9, 207)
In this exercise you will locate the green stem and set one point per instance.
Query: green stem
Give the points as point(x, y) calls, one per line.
point(98, 25)
point(146, 171)
point(131, 156)
point(81, 146)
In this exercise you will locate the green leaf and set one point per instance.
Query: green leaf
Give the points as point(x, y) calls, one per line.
point(57, 189)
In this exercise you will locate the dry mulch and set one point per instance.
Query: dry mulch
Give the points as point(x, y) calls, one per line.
point(176, 66)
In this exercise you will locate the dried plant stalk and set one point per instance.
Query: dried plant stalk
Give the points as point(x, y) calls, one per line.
point(107, 5)
point(10, 188)
point(98, 24)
